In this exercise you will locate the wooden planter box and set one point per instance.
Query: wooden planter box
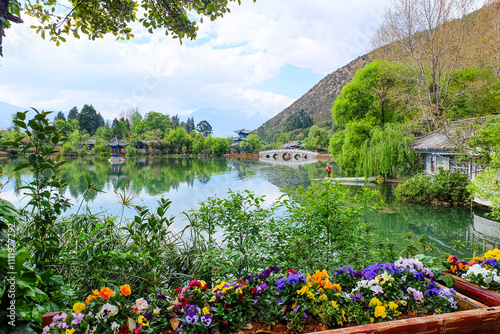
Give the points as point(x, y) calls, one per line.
point(477, 318)
point(474, 291)
point(482, 320)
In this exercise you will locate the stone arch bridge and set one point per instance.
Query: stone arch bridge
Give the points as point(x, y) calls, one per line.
point(288, 154)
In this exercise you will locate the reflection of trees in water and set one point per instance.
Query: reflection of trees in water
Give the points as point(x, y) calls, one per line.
point(153, 175)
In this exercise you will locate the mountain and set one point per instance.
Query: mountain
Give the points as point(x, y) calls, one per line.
point(224, 122)
point(6, 111)
point(317, 102)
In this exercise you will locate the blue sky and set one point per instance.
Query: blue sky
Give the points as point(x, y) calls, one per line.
point(259, 58)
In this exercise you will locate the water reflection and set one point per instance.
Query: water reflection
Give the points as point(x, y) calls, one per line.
point(187, 182)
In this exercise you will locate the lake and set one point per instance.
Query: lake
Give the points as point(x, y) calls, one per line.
point(189, 181)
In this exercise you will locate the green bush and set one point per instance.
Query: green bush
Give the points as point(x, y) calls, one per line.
point(102, 150)
point(446, 186)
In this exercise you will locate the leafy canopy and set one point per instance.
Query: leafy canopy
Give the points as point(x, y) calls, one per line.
point(95, 18)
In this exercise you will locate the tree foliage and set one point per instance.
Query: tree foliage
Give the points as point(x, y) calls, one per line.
point(204, 128)
point(95, 18)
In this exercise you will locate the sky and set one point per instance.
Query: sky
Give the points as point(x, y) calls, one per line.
point(259, 58)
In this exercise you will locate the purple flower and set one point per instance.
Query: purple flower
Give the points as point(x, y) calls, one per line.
point(206, 319)
point(366, 307)
point(192, 308)
point(280, 284)
point(161, 296)
point(338, 271)
point(419, 276)
point(296, 308)
point(295, 278)
point(148, 316)
point(357, 297)
point(262, 287)
point(276, 269)
point(78, 318)
point(492, 262)
point(265, 274)
point(305, 315)
point(191, 317)
point(432, 289)
point(417, 295)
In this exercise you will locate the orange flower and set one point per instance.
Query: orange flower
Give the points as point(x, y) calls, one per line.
point(472, 262)
point(125, 289)
point(92, 297)
point(485, 267)
point(319, 275)
point(450, 259)
point(106, 293)
point(453, 268)
point(466, 267)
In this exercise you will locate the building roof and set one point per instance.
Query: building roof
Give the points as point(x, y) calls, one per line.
point(116, 143)
point(91, 141)
point(292, 144)
point(448, 137)
point(243, 131)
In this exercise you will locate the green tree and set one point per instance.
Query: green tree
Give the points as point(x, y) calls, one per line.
point(66, 127)
point(204, 128)
point(90, 120)
point(254, 142)
point(220, 146)
point(153, 121)
point(73, 114)
point(198, 143)
point(60, 116)
point(175, 121)
point(189, 125)
point(135, 122)
point(298, 120)
point(367, 96)
point(177, 139)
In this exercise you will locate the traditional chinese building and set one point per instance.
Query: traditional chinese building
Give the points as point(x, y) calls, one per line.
point(116, 147)
point(242, 136)
point(293, 145)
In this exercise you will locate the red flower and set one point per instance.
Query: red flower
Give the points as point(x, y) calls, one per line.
point(291, 271)
point(179, 289)
point(123, 330)
point(184, 304)
point(194, 283)
point(253, 290)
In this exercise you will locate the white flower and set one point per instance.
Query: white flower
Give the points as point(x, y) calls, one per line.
point(115, 327)
point(107, 311)
point(142, 304)
point(156, 311)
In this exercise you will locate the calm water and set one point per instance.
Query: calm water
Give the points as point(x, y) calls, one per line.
point(187, 182)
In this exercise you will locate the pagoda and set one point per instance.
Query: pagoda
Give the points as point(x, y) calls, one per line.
point(116, 147)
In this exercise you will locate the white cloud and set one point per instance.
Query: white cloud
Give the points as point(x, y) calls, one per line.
point(246, 47)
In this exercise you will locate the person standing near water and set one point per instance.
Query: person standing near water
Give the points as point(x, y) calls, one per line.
point(328, 169)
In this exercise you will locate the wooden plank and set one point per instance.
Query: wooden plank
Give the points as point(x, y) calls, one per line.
point(481, 320)
point(47, 318)
point(474, 291)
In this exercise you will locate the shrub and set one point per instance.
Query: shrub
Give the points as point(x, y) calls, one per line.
point(446, 186)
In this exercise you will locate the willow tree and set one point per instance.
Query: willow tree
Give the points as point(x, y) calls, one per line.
point(95, 18)
point(433, 39)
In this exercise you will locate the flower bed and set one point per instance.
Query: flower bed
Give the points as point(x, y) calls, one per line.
point(344, 297)
point(478, 278)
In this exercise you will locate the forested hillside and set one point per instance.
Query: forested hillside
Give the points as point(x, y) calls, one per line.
point(317, 102)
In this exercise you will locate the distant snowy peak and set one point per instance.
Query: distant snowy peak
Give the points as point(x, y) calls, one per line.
point(6, 112)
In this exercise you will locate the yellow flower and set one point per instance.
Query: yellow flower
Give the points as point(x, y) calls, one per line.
point(304, 290)
point(70, 331)
point(143, 321)
point(372, 320)
point(393, 305)
point(203, 284)
point(78, 307)
point(295, 304)
point(384, 278)
point(238, 291)
point(334, 304)
point(310, 295)
point(205, 310)
point(380, 312)
point(375, 302)
point(212, 299)
point(323, 297)
point(220, 286)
